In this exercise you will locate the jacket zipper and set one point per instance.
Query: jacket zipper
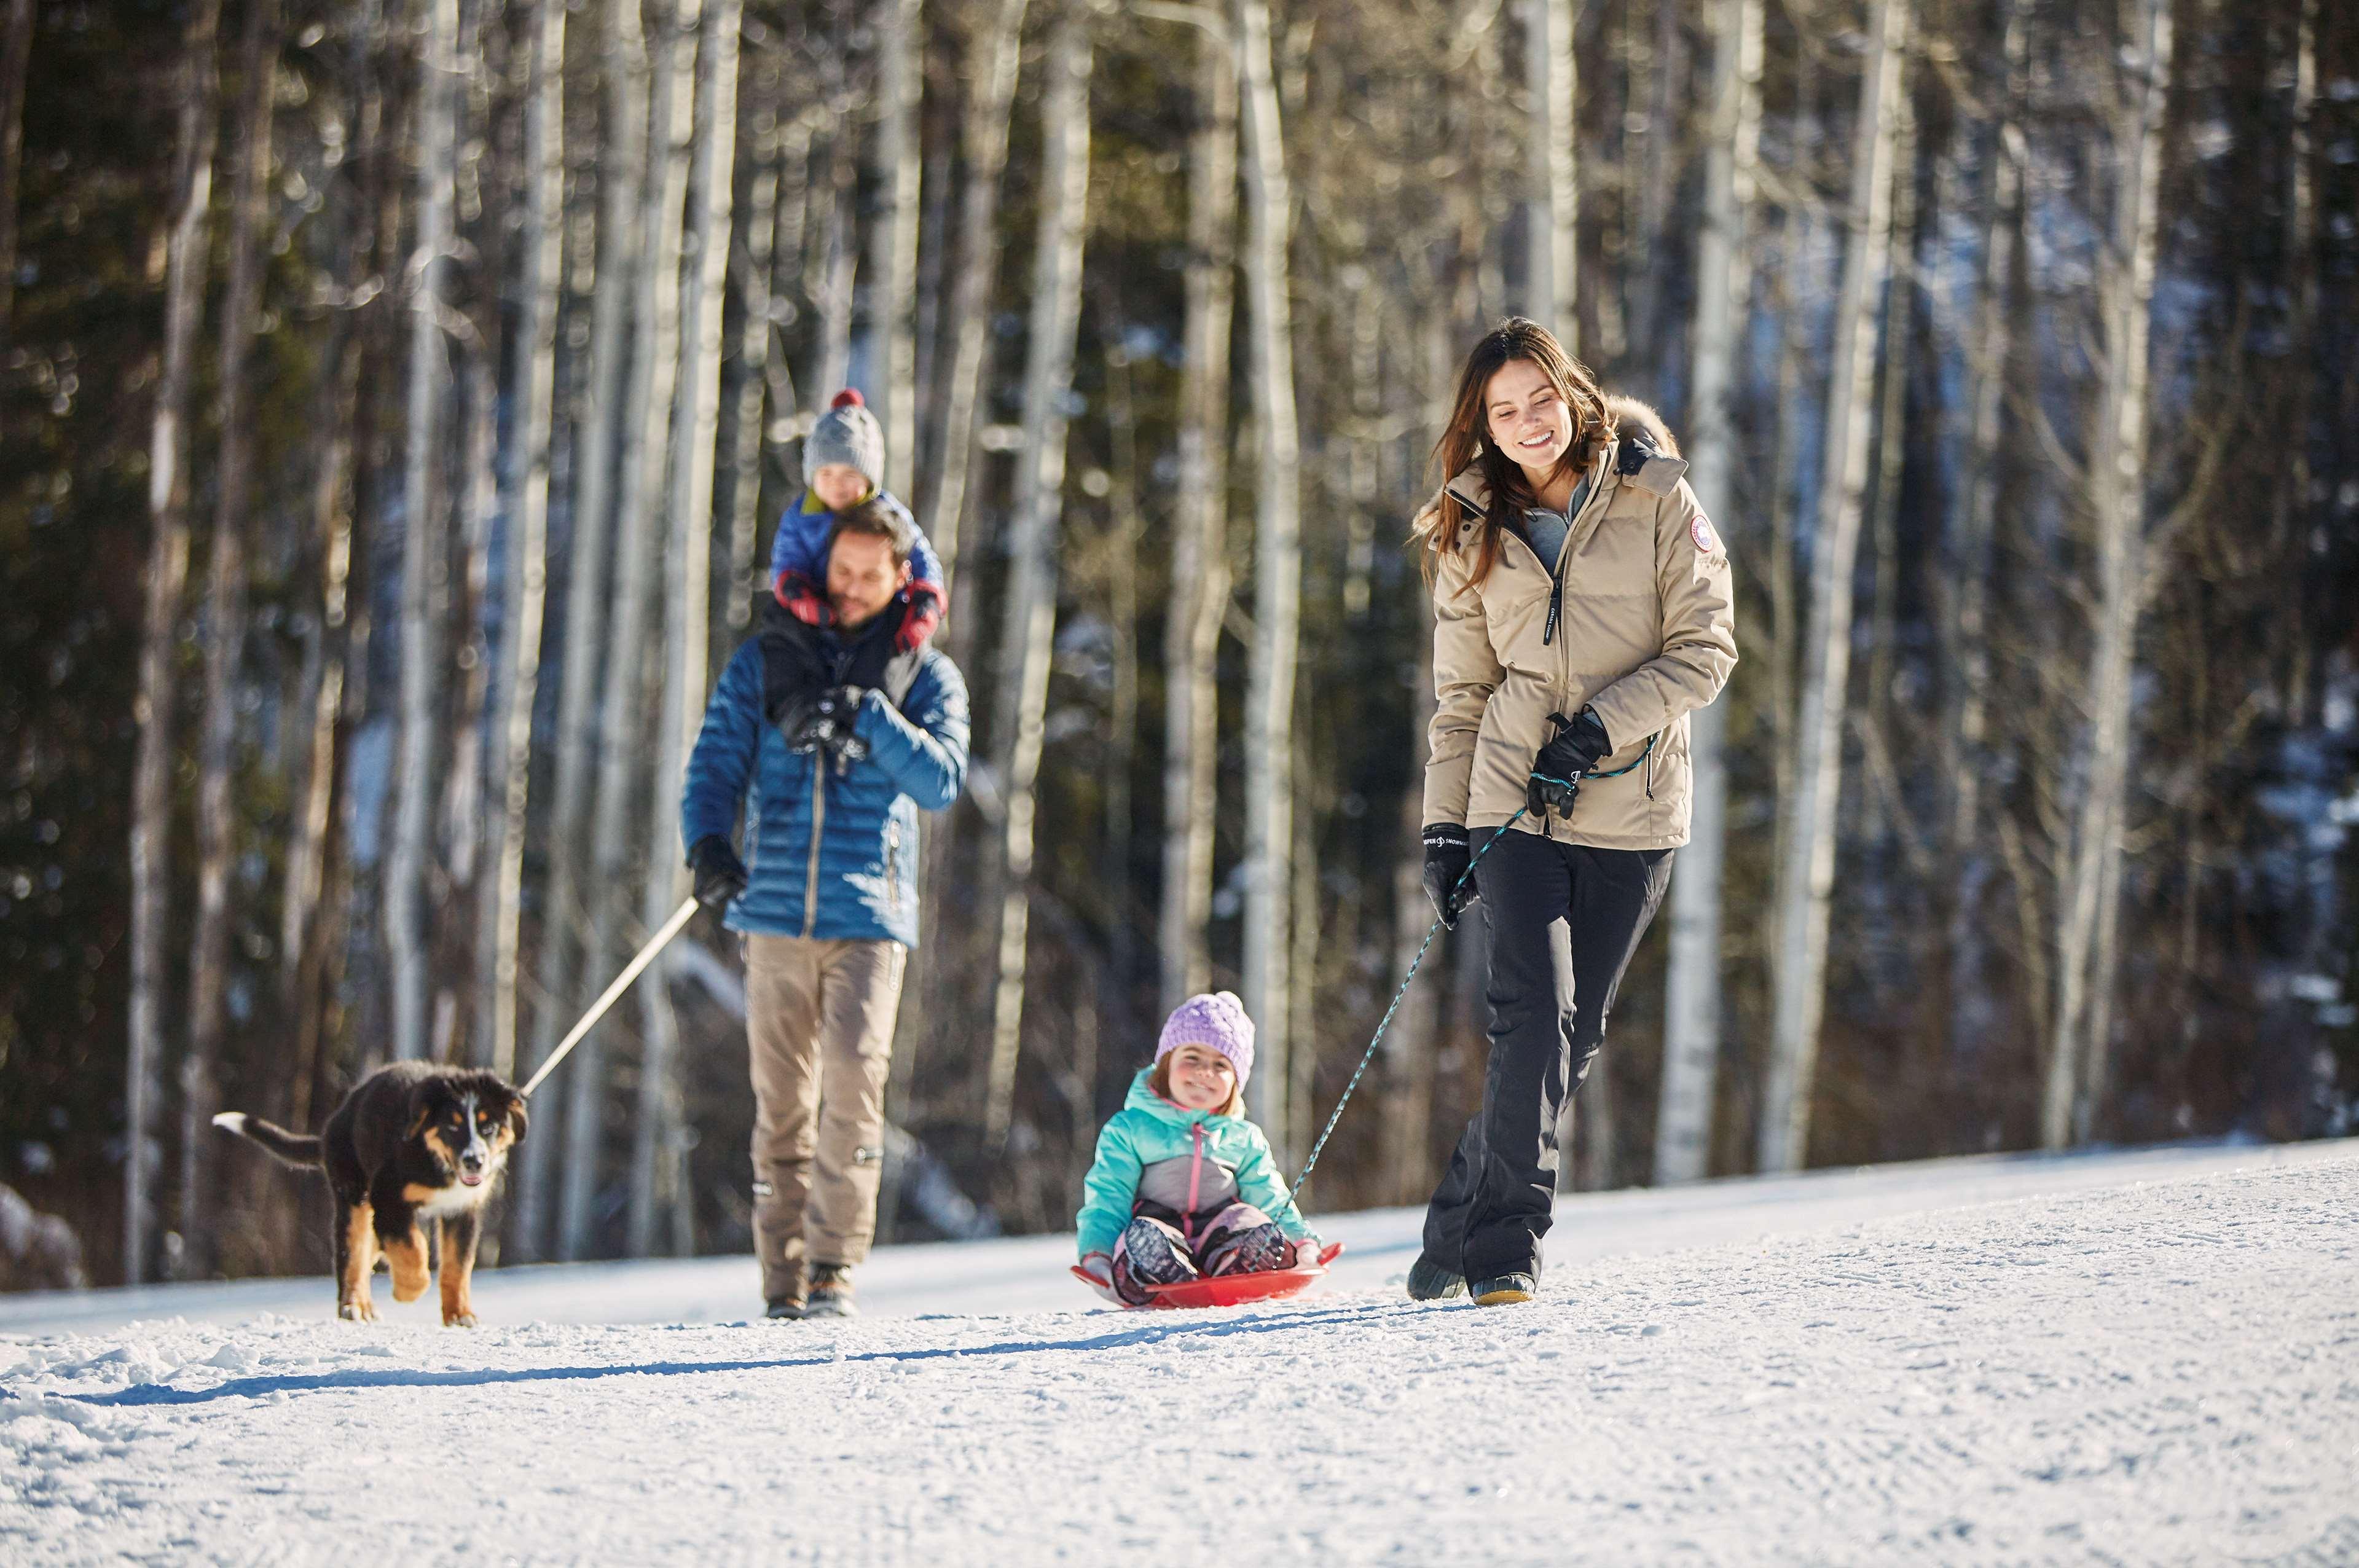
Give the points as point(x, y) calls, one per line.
point(818, 826)
point(1195, 1170)
point(1600, 494)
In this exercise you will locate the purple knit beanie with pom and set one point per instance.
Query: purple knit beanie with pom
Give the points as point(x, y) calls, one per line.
point(1216, 1021)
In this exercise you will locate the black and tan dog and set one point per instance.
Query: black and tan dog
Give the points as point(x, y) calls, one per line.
point(412, 1142)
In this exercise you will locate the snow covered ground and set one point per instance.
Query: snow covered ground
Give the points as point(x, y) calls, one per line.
point(2143, 1357)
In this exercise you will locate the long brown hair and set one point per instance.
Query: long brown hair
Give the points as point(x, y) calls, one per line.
point(1464, 438)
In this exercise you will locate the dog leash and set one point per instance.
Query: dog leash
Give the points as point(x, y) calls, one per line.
point(1430, 932)
point(671, 928)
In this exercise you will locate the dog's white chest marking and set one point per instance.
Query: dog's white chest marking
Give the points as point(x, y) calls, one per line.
point(454, 1199)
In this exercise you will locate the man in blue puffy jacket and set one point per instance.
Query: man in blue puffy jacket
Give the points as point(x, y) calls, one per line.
point(833, 737)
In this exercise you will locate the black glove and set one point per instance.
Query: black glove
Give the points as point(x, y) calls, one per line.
point(1557, 771)
point(1446, 882)
point(720, 874)
point(823, 721)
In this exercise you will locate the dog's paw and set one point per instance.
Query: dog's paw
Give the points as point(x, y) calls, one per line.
point(458, 1320)
point(357, 1311)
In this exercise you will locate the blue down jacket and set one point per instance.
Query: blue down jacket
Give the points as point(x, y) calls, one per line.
point(833, 856)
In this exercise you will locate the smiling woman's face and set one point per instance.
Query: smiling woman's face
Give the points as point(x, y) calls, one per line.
point(1527, 419)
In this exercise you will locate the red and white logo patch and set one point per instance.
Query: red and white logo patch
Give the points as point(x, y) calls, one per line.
point(1700, 530)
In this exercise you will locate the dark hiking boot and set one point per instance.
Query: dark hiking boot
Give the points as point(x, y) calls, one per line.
point(830, 1293)
point(1430, 1281)
point(785, 1307)
point(1505, 1290)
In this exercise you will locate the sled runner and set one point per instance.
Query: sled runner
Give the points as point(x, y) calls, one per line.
point(1233, 1290)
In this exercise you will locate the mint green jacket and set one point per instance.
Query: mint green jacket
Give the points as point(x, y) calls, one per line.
point(1149, 1129)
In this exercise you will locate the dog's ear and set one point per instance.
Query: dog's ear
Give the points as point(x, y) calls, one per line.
point(517, 1119)
point(426, 1097)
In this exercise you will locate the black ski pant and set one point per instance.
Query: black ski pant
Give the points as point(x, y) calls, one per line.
point(1564, 920)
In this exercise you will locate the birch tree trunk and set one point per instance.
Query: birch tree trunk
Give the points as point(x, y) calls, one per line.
point(166, 577)
point(837, 219)
point(655, 372)
point(226, 627)
point(1724, 294)
point(424, 576)
point(1974, 533)
point(1278, 573)
point(1200, 528)
point(16, 56)
point(688, 577)
point(738, 485)
point(893, 234)
point(1028, 621)
point(998, 46)
point(1412, 1044)
point(2077, 1065)
point(1806, 871)
point(564, 916)
point(532, 420)
point(1553, 222)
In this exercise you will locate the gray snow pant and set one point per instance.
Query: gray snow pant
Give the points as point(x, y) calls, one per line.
point(1564, 920)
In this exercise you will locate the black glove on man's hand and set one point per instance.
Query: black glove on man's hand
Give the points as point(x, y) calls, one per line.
point(823, 721)
point(1446, 882)
point(1557, 771)
point(840, 706)
point(720, 876)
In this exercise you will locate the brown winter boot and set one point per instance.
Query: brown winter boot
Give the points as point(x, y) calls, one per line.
point(830, 1293)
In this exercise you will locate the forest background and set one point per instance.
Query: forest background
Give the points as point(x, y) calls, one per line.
point(394, 397)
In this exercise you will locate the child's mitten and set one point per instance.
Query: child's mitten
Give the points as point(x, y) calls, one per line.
point(918, 622)
point(1096, 1271)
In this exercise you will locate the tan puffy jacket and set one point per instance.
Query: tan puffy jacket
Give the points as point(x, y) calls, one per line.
point(1645, 635)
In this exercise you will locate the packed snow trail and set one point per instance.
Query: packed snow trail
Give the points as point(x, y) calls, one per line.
point(2160, 1367)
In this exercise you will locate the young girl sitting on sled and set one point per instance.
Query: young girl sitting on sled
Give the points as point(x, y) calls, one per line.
point(1183, 1185)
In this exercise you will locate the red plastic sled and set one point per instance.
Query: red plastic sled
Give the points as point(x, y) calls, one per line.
point(1233, 1290)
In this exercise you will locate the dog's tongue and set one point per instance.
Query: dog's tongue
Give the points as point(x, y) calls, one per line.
point(471, 1179)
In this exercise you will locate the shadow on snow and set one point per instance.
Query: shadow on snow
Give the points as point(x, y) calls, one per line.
point(1142, 1334)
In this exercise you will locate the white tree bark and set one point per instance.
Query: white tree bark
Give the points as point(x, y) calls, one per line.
point(893, 234)
point(1200, 528)
point(1277, 571)
point(655, 370)
point(225, 628)
point(167, 576)
point(1806, 871)
point(424, 575)
point(1724, 282)
point(2077, 1059)
point(1552, 255)
point(532, 420)
point(1029, 622)
point(564, 916)
point(696, 423)
point(1976, 531)
point(997, 51)
point(741, 507)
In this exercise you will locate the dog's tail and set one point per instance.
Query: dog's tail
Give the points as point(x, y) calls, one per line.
point(292, 1147)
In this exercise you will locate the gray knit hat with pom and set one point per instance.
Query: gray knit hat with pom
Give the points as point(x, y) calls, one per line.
point(849, 433)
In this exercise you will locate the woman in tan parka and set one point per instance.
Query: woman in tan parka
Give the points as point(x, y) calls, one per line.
point(1582, 610)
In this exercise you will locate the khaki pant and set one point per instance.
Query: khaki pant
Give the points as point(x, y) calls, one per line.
point(818, 1018)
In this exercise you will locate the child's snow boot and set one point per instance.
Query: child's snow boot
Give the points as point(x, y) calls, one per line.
point(788, 1307)
point(1504, 1291)
point(1243, 1240)
point(1149, 1252)
point(1430, 1281)
point(830, 1293)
